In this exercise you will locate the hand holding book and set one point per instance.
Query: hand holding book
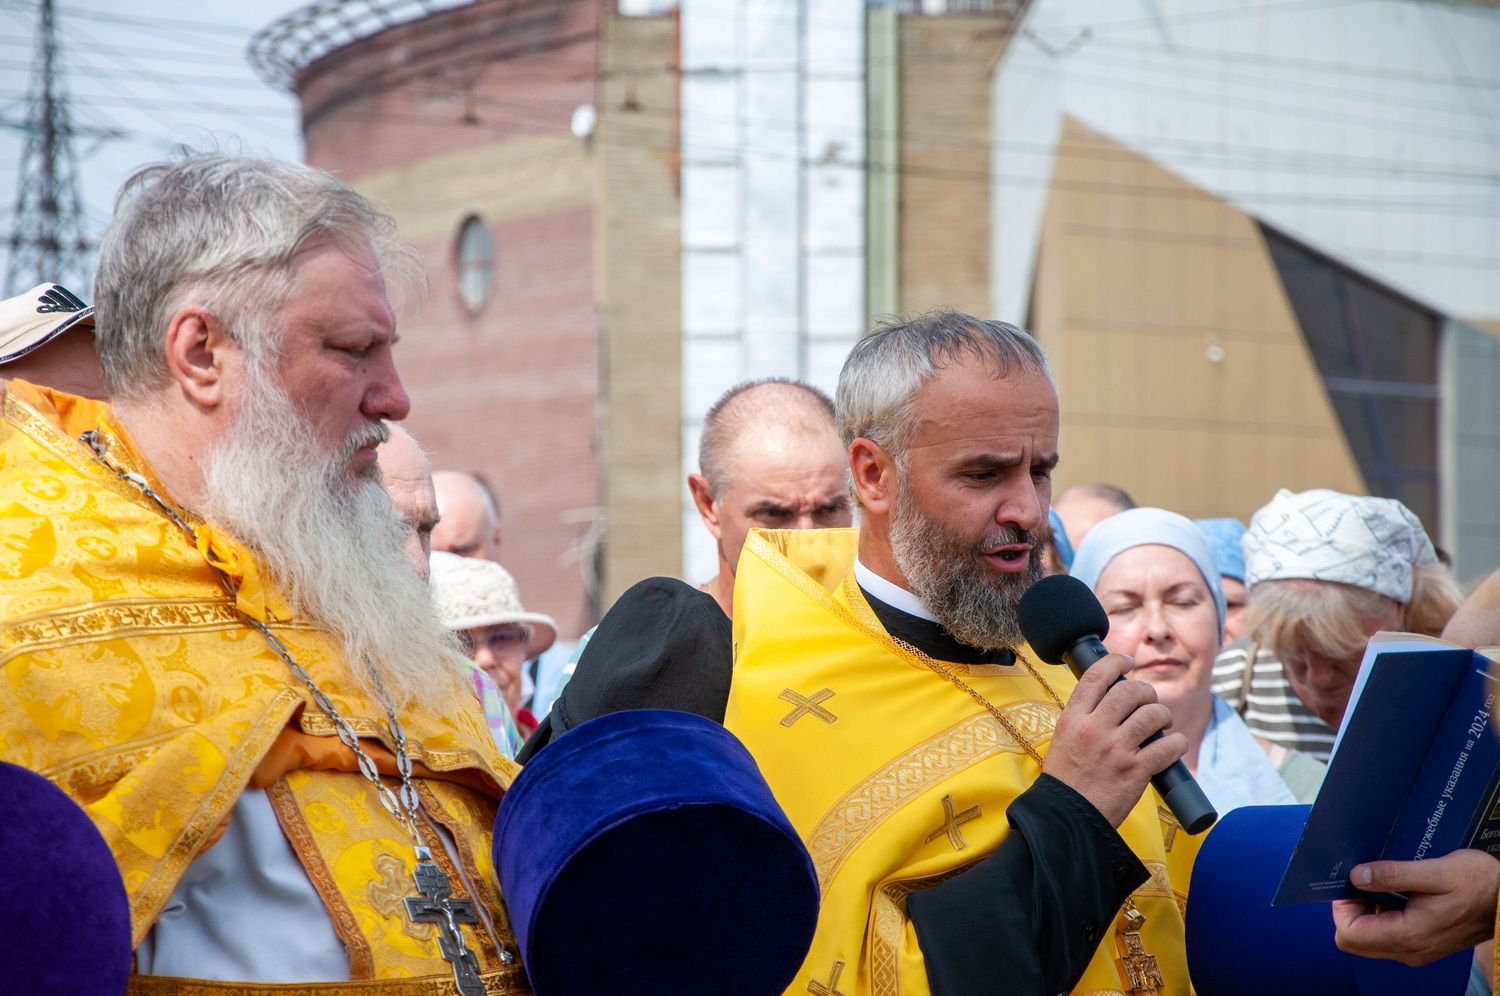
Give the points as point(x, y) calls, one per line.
point(1450, 905)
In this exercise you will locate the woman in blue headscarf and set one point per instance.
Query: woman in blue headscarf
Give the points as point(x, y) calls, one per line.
point(1155, 574)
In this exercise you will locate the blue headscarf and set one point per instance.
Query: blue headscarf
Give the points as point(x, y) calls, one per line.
point(1224, 537)
point(1060, 541)
point(1147, 527)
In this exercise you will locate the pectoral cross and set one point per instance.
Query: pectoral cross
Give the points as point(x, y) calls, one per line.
point(1142, 973)
point(435, 906)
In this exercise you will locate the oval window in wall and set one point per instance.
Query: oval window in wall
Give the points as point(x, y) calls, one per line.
point(476, 263)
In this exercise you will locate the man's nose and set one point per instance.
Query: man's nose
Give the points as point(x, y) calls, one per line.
point(385, 398)
point(1025, 508)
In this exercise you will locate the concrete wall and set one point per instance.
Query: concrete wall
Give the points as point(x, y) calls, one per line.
point(1470, 455)
point(773, 214)
point(1182, 372)
point(639, 265)
point(944, 229)
point(1370, 131)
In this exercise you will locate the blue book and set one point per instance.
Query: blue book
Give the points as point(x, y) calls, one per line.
point(1415, 771)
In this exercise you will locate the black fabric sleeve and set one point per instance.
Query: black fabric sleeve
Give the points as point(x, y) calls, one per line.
point(1027, 918)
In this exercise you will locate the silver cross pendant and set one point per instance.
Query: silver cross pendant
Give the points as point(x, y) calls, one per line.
point(435, 906)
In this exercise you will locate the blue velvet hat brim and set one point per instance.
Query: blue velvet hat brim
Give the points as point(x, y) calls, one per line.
point(1238, 944)
point(643, 853)
point(64, 917)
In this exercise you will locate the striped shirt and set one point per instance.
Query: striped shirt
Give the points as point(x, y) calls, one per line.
point(1267, 703)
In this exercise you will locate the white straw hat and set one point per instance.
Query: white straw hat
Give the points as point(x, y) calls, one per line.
point(470, 593)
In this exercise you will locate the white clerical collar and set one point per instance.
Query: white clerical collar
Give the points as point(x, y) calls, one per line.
point(890, 593)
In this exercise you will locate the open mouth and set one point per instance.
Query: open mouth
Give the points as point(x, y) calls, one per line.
point(1010, 558)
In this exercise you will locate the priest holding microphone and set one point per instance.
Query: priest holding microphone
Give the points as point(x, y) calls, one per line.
point(979, 820)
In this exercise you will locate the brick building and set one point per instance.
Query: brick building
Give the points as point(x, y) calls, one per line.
point(461, 123)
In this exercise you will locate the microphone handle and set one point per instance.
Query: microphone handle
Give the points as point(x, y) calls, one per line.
point(1176, 785)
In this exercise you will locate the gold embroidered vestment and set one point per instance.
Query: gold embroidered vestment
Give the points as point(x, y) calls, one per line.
point(895, 778)
point(132, 683)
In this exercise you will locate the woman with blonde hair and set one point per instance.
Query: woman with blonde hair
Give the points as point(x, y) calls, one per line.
point(1326, 572)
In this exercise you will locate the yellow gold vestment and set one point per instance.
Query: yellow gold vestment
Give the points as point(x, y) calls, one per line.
point(895, 778)
point(131, 681)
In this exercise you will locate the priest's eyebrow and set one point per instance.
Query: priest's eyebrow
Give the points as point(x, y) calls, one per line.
point(997, 461)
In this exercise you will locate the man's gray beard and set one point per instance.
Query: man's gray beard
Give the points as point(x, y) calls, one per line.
point(333, 544)
point(974, 604)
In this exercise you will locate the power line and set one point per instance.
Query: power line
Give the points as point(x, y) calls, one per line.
point(178, 79)
point(248, 113)
point(47, 238)
point(144, 23)
point(1168, 192)
point(1218, 55)
point(214, 107)
point(1225, 156)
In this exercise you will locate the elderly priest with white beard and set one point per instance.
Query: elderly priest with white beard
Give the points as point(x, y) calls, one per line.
point(212, 638)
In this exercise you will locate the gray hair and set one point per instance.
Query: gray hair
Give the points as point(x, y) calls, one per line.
point(887, 368)
point(222, 232)
point(737, 409)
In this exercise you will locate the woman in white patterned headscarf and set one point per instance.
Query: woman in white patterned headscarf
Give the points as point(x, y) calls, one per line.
point(1327, 571)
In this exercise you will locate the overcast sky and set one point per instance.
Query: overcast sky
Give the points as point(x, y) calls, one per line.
point(163, 72)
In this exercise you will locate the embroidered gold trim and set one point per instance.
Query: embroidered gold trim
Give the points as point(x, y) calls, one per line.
point(490, 900)
point(1159, 884)
point(889, 914)
point(482, 941)
point(508, 981)
point(264, 729)
point(51, 437)
point(109, 620)
point(433, 758)
point(845, 825)
point(299, 834)
point(105, 765)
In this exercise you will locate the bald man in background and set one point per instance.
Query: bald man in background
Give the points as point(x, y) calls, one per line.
point(770, 458)
point(470, 516)
point(407, 475)
point(1084, 506)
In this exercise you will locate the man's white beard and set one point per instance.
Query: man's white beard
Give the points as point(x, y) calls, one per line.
point(976, 605)
point(333, 544)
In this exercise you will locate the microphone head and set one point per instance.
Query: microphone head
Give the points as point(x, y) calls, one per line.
point(1056, 613)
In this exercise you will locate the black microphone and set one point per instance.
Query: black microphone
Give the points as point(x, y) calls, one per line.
point(1064, 622)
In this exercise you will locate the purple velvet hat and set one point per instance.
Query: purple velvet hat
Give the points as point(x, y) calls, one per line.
point(1238, 944)
point(643, 853)
point(64, 918)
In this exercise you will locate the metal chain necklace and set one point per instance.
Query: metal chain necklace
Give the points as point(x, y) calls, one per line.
point(435, 904)
point(866, 616)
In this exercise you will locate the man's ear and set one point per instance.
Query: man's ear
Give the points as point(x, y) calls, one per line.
point(199, 349)
point(873, 472)
point(703, 499)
